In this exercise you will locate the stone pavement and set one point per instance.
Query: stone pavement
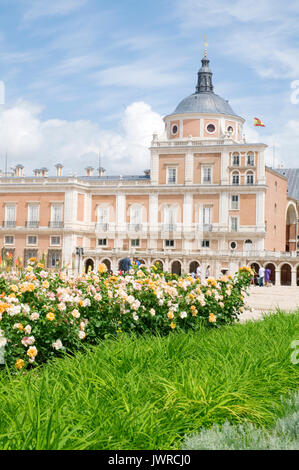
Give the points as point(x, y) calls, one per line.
point(266, 299)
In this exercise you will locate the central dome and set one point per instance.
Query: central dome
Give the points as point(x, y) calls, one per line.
point(206, 102)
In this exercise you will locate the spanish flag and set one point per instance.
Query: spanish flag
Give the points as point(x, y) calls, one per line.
point(258, 122)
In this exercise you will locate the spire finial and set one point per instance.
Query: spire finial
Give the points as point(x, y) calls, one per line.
point(205, 45)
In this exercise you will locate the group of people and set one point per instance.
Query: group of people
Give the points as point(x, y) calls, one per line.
point(264, 276)
point(125, 264)
point(198, 273)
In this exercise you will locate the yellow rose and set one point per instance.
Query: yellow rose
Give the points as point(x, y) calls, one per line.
point(20, 364)
point(46, 284)
point(50, 316)
point(102, 268)
point(32, 352)
point(212, 318)
point(170, 314)
point(172, 325)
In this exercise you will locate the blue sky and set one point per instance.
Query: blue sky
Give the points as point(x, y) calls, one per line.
point(84, 76)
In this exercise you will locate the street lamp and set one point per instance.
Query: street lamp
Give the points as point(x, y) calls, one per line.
point(79, 253)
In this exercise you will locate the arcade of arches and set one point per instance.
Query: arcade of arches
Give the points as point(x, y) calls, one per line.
point(282, 273)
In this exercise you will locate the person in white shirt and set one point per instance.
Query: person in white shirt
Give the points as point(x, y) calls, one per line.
point(198, 272)
point(261, 276)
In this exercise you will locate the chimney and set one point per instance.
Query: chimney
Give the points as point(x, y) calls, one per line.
point(19, 170)
point(101, 171)
point(36, 172)
point(147, 173)
point(58, 169)
point(44, 172)
point(89, 170)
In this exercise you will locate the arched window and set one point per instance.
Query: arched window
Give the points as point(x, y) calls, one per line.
point(248, 245)
point(250, 159)
point(235, 177)
point(236, 159)
point(249, 177)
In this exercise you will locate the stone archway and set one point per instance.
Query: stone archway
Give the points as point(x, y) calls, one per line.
point(272, 268)
point(159, 263)
point(255, 267)
point(286, 275)
point(89, 265)
point(176, 268)
point(107, 263)
point(193, 266)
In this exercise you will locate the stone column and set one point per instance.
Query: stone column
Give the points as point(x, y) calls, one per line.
point(155, 167)
point(294, 278)
point(223, 210)
point(260, 210)
point(277, 277)
point(224, 167)
point(260, 172)
point(189, 165)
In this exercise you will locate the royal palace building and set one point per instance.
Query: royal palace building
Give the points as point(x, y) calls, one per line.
point(207, 198)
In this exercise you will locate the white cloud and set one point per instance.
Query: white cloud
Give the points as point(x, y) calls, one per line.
point(37, 8)
point(35, 143)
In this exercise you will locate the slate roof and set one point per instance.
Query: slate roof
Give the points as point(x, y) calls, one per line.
point(292, 175)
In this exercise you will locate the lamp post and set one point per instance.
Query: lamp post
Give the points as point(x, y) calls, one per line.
point(79, 253)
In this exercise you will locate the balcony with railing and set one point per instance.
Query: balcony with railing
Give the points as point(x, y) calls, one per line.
point(9, 223)
point(55, 224)
point(136, 228)
point(32, 224)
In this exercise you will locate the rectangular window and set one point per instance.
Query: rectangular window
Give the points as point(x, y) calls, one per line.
point(56, 215)
point(169, 243)
point(206, 175)
point(171, 175)
point(33, 212)
point(236, 160)
point(135, 243)
point(9, 240)
point(206, 215)
point(205, 243)
point(234, 224)
point(32, 240)
point(54, 258)
point(170, 218)
point(102, 241)
point(55, 240)
point(235, 202)
point(10, 215)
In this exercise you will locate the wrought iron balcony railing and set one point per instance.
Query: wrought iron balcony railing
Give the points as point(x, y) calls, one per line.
point(9, 223)
point(55, 224)
point(32, 223)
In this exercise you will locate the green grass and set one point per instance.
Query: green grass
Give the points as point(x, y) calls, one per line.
point(246, 436)
point(148, 393)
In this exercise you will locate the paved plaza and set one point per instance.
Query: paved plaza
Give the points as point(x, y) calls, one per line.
point(267, 299)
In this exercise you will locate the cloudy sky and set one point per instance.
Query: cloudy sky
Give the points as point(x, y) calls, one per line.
point(89, 76)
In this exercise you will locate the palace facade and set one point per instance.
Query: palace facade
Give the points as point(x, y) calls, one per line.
point(207, 198)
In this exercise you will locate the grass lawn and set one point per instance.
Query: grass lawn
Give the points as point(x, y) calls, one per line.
point(150, 392)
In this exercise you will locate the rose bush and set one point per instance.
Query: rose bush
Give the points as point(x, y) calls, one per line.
point(44, 313)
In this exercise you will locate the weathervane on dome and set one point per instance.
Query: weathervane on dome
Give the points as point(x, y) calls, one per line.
point(205, 45)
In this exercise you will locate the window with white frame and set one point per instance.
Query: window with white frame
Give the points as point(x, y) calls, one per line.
point(206, 214)
point(33, 213)
point(235, 202)
point(235, 178)
point(171, 175)
point(250, 177)
point(32, 240)
point(135, 243)
point(102, 241)
point(206, 175)
point(9, 240)
point(55, 240)
point(205, 243)
point(103, 216)
point(236, 159)
point(10, 214)
point(136, 215)
point(234, 224)
point(169, 243)
point(170, 217)
point(56, 215)
point(250, 159)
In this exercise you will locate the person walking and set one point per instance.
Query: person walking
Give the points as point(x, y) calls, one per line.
point(208, 271)
point(198, 272)
point(261, 276)
point(267, 276)
point(125, 264)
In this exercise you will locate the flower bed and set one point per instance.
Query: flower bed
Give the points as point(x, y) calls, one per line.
point(44, 313)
